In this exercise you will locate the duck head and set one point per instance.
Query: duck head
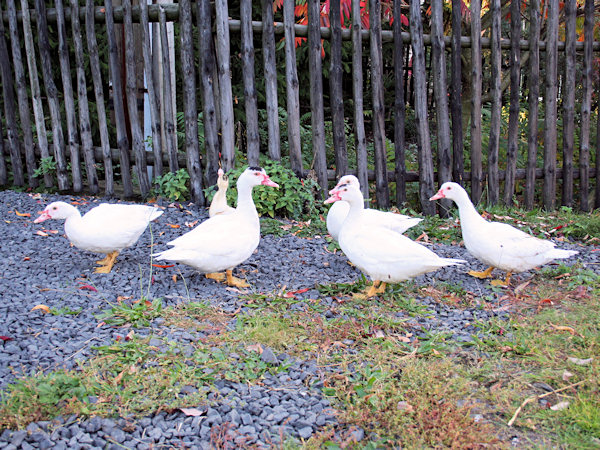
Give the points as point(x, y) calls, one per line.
point(346, 192)
point(222, 179)
point(256, 176)
point(346, 179)
point(56, 210)
point(449, 190)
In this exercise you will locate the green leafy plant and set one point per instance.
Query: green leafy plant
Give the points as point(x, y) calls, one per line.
point(294, 199)
point(138, 314)
point(47, 167)
point(172, 185)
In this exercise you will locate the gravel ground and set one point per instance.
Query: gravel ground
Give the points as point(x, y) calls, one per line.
point(45, 270)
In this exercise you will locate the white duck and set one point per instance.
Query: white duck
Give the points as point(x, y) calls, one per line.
point(219, 202)
point(498, 244)
point(226, 240)
point(339, 210)
point(384, 255)
point(107, 228)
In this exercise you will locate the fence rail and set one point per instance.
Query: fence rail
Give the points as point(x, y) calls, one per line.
point(138, 42)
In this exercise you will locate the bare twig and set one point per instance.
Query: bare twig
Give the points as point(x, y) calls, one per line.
point(537, 397)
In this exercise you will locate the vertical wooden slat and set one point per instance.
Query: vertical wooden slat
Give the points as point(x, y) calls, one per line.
point(494, 142)
point(152, 94)
point(476, 80)
point(515, 88)
point(586, 106)
point(268, 43)
point(426, 181)
point(534, 94)
point(3, 170)
point(131, 91)
point(399, 108)
point(85, 131)
point(190, 108)
point(12, 130)
point(316, 94)
point(357, 93)
point(250, 101)
point(52, 94)
point(336, 98)
point(92, 45)
point(117, 91)
point(438, 62)
point(456, 94)
point(292, 89)
point(570, 12)
point(167, 105)
point(24, 112)
point(68, 100)
point(550, 117)
point(382, 192)
point(36, 97)
point(207, 67)
point(597, 192)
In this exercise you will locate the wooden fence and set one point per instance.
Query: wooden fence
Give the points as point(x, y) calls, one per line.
point(73, 79)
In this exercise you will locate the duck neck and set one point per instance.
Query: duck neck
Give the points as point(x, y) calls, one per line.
point(356, 209)
point(468, 214)
point(221, 194)
point(72, 220)
point(245, 203)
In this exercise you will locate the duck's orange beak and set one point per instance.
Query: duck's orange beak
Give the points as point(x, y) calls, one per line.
point(440, 194)
point(268, 182)
point(335, 196)
point(43, 216)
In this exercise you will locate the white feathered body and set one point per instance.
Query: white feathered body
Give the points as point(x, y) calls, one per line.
point(219, 243)
point(396, 222)
point(109, 227)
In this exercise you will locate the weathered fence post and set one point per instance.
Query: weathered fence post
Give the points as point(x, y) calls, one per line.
point(570, 11)
point(357, 92)
point(190, 109)
point(399, 108)
point(85, 131)
point(534, 94)
point(336, 98)
point(207, 67)
point(382, 192)
point(316, 94)
point(440, 80)
point(250, 101)
point(69, 102)
point(515, 87)
point(550, 117)
point(494, 142)
point(58, 141)
point(167, 104)
point(137, 140)
point(24, 112)
point(225, 95)
point(456, 95)
point(268, 43)
point(426, 182)
point(292, 89)
point(476, 80)
point(92, 45)
point(586, 106)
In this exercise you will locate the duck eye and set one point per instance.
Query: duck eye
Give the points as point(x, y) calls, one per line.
point(55, 208)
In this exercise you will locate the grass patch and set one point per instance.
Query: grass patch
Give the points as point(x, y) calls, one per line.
point(138, 313)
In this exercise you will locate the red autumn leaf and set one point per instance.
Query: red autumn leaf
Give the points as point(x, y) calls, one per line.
point(6, 338)
point(88, 287)
point(163, 266)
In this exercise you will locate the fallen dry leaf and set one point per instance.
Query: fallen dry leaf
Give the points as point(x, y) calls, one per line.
point(580, 362)
point(191, 224)
point(118, 378)
point(255, 348)
point(42, 307)
point(88, 287)
point(22, 214)
point(41, 233)
point(566, 375)
point(522, 286)
point(560, 406)
point(192, 411)
point(5, 338)
point(563, 328)
point(174, 278)
point(163, 266)
point(173, 225)
point(405, 406)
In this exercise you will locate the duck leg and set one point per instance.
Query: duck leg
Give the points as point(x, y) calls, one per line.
point(103, 261)
point(108, 265)
point(504, 283)
point(376, 288)
point(234, 281)
point(217, 276)
point(487, 273)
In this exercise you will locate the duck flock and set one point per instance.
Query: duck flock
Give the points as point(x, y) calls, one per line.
point(40, 267)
